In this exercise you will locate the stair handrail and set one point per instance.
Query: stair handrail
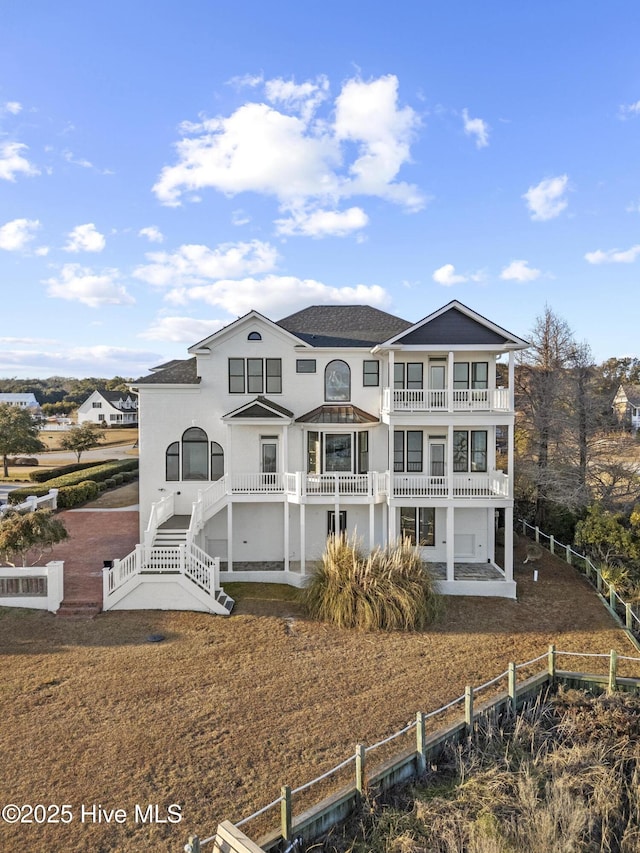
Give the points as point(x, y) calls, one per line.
point(161, 510)
point(205, 499)
point(202, 568)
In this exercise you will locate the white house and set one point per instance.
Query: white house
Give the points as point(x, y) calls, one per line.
point(109, 408)
point(626, 405)
point(273, 435)
point(22, 401)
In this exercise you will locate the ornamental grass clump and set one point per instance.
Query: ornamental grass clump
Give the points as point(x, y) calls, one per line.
point(389, 589)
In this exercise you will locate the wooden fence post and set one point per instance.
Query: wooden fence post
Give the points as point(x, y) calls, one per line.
point(361, 761)
point(512, 687)
point(194, 844)
point(612, 597)
point(613, 671)
point(587, 567)
point(598, 579)
point(551, 662)
point(628, 617)
point(552, 544)
point(468, 708)
point(537, 534)
point(420, 744)
point(568, 553)
point(285, 813)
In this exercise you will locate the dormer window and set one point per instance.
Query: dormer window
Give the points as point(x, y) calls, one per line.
point(254, 336)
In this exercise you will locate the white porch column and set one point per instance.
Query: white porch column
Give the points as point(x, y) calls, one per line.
point(512, 379)
point(392, 524)
point(510, 459)
point(303, 543)
point(284, 462)
point(385, 523)
point(372, 521)
point(392, 361)
point(508, 543)
point(230, 536)
point(286, 509)
point(450, 381)
point(450, 542)
point(228, 463)
point(450, 461)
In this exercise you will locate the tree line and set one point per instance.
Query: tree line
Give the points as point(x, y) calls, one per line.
point(576, 466)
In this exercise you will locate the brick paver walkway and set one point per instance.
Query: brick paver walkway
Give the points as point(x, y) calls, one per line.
point(94, 536)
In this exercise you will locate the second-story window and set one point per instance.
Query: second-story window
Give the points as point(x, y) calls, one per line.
point(470, 450)
point(371, 373)
point(337, 382)
point(255, 375)
point(407, 375)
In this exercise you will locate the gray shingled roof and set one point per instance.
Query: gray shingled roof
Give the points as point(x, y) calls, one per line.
point(178, 373)
point(343, 325)
point(114, 396)
point(261, 407)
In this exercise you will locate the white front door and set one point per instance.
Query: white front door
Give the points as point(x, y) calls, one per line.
point(268, 458)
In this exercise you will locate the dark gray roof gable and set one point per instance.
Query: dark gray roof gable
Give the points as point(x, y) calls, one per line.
point(455, 324)
point(260, 407)
point(343, 325)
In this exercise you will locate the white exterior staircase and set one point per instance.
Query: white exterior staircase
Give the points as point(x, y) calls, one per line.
point(170, 573)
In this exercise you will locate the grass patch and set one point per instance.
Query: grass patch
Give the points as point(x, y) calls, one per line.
point(563, 776)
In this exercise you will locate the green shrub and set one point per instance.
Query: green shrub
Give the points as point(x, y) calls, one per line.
point(95, 473)
point(119, 479)
point(69, 496)
point(109, 483)
point(391, 589)
point(54, 473)
point(102, 486)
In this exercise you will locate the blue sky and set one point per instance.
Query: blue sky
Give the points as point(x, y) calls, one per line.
point(167, 166)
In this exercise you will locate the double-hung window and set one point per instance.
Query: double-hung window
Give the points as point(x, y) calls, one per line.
point(408, 375)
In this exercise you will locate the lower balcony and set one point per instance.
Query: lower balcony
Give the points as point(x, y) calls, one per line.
point(373, 486)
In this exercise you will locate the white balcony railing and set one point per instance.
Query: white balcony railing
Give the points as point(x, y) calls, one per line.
point(462, 400)
point(494, 484)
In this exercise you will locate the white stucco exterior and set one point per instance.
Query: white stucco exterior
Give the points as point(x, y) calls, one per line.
point(414, 454)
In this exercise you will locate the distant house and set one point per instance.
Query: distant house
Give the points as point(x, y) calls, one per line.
point(23, 401)
point(109, 408)
point(626, 405)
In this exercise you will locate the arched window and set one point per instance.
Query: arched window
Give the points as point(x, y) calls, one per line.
point(254, 336)
point(172, 461)
point(195, 462)
point(217, 461)
point(337, 382)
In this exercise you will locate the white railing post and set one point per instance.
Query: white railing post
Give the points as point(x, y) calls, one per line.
point(55, 584)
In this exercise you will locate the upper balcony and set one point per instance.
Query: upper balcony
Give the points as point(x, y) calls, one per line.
point(434, 400)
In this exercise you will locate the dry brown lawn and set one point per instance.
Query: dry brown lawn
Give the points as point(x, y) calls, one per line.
point(223, 711)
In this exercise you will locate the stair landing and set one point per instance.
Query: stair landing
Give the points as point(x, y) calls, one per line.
point(176, 522)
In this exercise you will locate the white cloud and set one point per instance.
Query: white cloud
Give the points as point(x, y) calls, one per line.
point(80, 284)
point(614, 256)
point(239, 217)
point(85, 238)
point(192, 264)
point(304, 98)
point(70, 157)
point(181, 329)
point(299, 159)
point(59, 359)
point(367, 113)
point(13, 162)
point(447, 276)
point(277, 296)
point(13, 107)
point(546, 200)
point(633, 207)
point(152, 233)
point(17, 234)
point(476, 127)
point(629, 110)
point(322, 223)
point(519, 271)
